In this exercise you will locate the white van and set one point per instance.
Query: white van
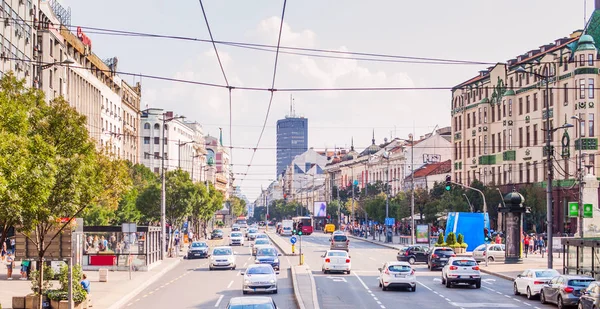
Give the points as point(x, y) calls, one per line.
point(286, 227)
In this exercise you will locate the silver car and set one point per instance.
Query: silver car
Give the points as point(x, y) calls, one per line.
point(260, 278)
point(495, 253)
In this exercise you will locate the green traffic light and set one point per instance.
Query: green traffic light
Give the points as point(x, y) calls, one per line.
point(300, 233)
point(447, 188)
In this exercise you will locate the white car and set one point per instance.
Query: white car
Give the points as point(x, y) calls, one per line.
point(397, 274)
point(531, 281)
point(260, 278)
point(461, 270)
point(222, 258)
point(336, 260)
point(236, 239)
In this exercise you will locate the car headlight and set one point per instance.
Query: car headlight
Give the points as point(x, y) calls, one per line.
point(276, 261)
point(246, 282)
point(272, 281)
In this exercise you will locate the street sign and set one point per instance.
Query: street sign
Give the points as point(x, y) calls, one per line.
point(588, 211)
point(573, 209)
point(293, 239)
point(390, 221)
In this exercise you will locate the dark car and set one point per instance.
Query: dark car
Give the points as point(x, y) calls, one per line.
point(216, 234)
point(413, 254)
point(268, 255)
point(198, 249)
point(590, 297)
point(438, 257)
point(564, 290)
point(254, 302)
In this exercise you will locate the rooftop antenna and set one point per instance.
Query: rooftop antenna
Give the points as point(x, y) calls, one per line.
point(291, 105)
point(584, 14)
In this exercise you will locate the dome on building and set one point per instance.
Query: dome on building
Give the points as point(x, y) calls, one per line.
point(586, 42)
point(352, 154)
point(336, 160)
point(371, 149)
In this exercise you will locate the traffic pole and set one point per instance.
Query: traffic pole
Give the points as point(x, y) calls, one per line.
point(301, 255)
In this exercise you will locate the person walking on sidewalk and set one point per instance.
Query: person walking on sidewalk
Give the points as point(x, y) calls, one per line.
point(24, 266)
point(541, 245)
point(526, 243)
point(10, 263)
point(85, 284)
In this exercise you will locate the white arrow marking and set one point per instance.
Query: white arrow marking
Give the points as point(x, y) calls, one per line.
point(488, 280)
point(437, 279)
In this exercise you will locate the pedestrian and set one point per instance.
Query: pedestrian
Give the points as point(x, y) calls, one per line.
point(498, 239)
point(24, 266)
point(526, 243)
point(10, 263)
point(541, 245)
point(85, 284)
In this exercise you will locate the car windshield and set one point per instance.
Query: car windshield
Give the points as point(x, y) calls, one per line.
point(259, 271)
point(287, 228)
point(252, 230)
point(339, 238)
point(261, 242)
point(333, 253)
point(267, 251)
point(217, 231)
point(480, 248)
point(236, 234)
point(252, 306)
point(222, 251)
point(199, 245)
point(399, 268)
point(261, 236)
point(580, 282)
point(464, 263)
point(551, 273)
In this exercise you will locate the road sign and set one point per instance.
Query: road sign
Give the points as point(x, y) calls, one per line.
point(588, 211)
point(390, 221)
point(573, 209)
point(293, 239)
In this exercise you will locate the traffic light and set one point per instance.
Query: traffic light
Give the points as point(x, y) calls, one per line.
point(448, 182)
point(486, 235)
point(300, 229)
point(294, 232)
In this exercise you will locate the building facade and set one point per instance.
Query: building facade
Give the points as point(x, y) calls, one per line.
point(499, 119)
point(292, 140)
point(18, 38)
point(303, 179)
point(220, 170)
point(130, 98)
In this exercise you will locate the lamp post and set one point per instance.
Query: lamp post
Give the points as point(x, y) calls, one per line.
point(469, 202)
point(549, 166)
point(580, 169)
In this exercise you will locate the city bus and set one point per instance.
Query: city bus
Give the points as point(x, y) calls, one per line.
point(307, 227)
point(241, 221)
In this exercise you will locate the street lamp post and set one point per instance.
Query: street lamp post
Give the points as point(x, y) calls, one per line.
point(549, 166)
point(180, 144)
point(469, 202)
point(580, 169)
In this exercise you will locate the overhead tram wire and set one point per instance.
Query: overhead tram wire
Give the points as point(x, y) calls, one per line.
point(229, 88)
point(272, 90)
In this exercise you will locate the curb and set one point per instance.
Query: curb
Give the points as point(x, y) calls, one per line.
point(297, 296)
point(509, 278)
point(279, 247)
point(315, 297)
point(120, 303)
point(373, 242)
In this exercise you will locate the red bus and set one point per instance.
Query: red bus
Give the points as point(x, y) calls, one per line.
point(307, 227)
point(241, 220)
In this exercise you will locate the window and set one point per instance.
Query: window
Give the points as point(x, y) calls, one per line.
point(156, 126)
point(479, 111)
point(527, 136)
point(520, 106)
point(509, 138)
point(455, 123)
point(146, 140)
point(582, 60)
point(459, 123)
point(474, 148)
point(551, 97)
point(590, 59)
point(455, 151)
point(566, 63)
point(535, 135)
point(146, 125)
point(504, 109)
point(535, 102)
point(493, 113)
point(528, 172)
point(591, 125)
point(485, 115)
point(485, 141)
point(545, 93)
point(566, 92)
point(493, 143)
point(520, 172)
point(509, 107)
point(535, 172)
point(468, 121)
point(582, 88)
point(591, 88)
point(51, 49)
point(499, 142)
point(480, 144)
point(468, 149)
point(592, 162)
point(527, 110)
point(504, 139)
point(581, 125)
point(520, 137)
point(499, 112)
point(156, 140)
point(50, 78)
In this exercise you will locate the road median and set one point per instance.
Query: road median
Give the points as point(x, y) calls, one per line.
point(283, 246)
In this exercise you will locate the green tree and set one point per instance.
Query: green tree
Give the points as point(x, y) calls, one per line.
point(535, 198)
point(237, 206)
point(148, 204)
point(179, 196)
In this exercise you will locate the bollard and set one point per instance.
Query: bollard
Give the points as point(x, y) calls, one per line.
point(301, 259)
point(293, 249)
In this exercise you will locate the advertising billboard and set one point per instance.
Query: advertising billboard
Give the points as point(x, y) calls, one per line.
point(320, 209)
point(422, 233)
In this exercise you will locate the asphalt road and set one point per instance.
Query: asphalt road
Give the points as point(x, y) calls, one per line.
point(192, 285)
point(360, 289)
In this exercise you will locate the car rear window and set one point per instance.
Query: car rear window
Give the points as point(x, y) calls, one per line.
point(580, 282)
point(339, 238)
point(399, 268)
point(444, 251)
point(337, 254)
point(464, 263)
point(546, 274)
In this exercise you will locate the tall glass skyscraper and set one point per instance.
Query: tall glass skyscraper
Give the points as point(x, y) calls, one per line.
point(292, 140)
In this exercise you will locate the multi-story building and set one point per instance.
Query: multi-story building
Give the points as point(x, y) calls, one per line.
point(499, 118)
point(17, 35)
point(292, 140)
point(222, 172)
point(130, 99)
point(303, 179)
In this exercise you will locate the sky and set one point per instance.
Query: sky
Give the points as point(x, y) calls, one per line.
point(471, 30)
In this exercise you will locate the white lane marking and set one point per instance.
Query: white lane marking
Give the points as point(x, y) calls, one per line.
point(424, 286)
point(368, 290)
point(230, 283)
point(372, 258)
point(219, 300)
point(362, 282)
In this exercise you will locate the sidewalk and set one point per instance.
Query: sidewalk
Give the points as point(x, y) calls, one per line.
point(114, 293)
point(397, 241)
point(510, 271)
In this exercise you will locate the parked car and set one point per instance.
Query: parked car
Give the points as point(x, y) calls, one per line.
point(495, 253)
point(236, 239)
point(198, 249)
point(397, 274)
point(222, 258)
point(531, 281)
point(251, 302)
point(268, 255)
point(259, 278)
point(413, 254)
point(461, 270)
point(336, 260)
point(216, 234)
point(590, 297)
point(438, 257)
point(339, 242)
point(564, 290)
